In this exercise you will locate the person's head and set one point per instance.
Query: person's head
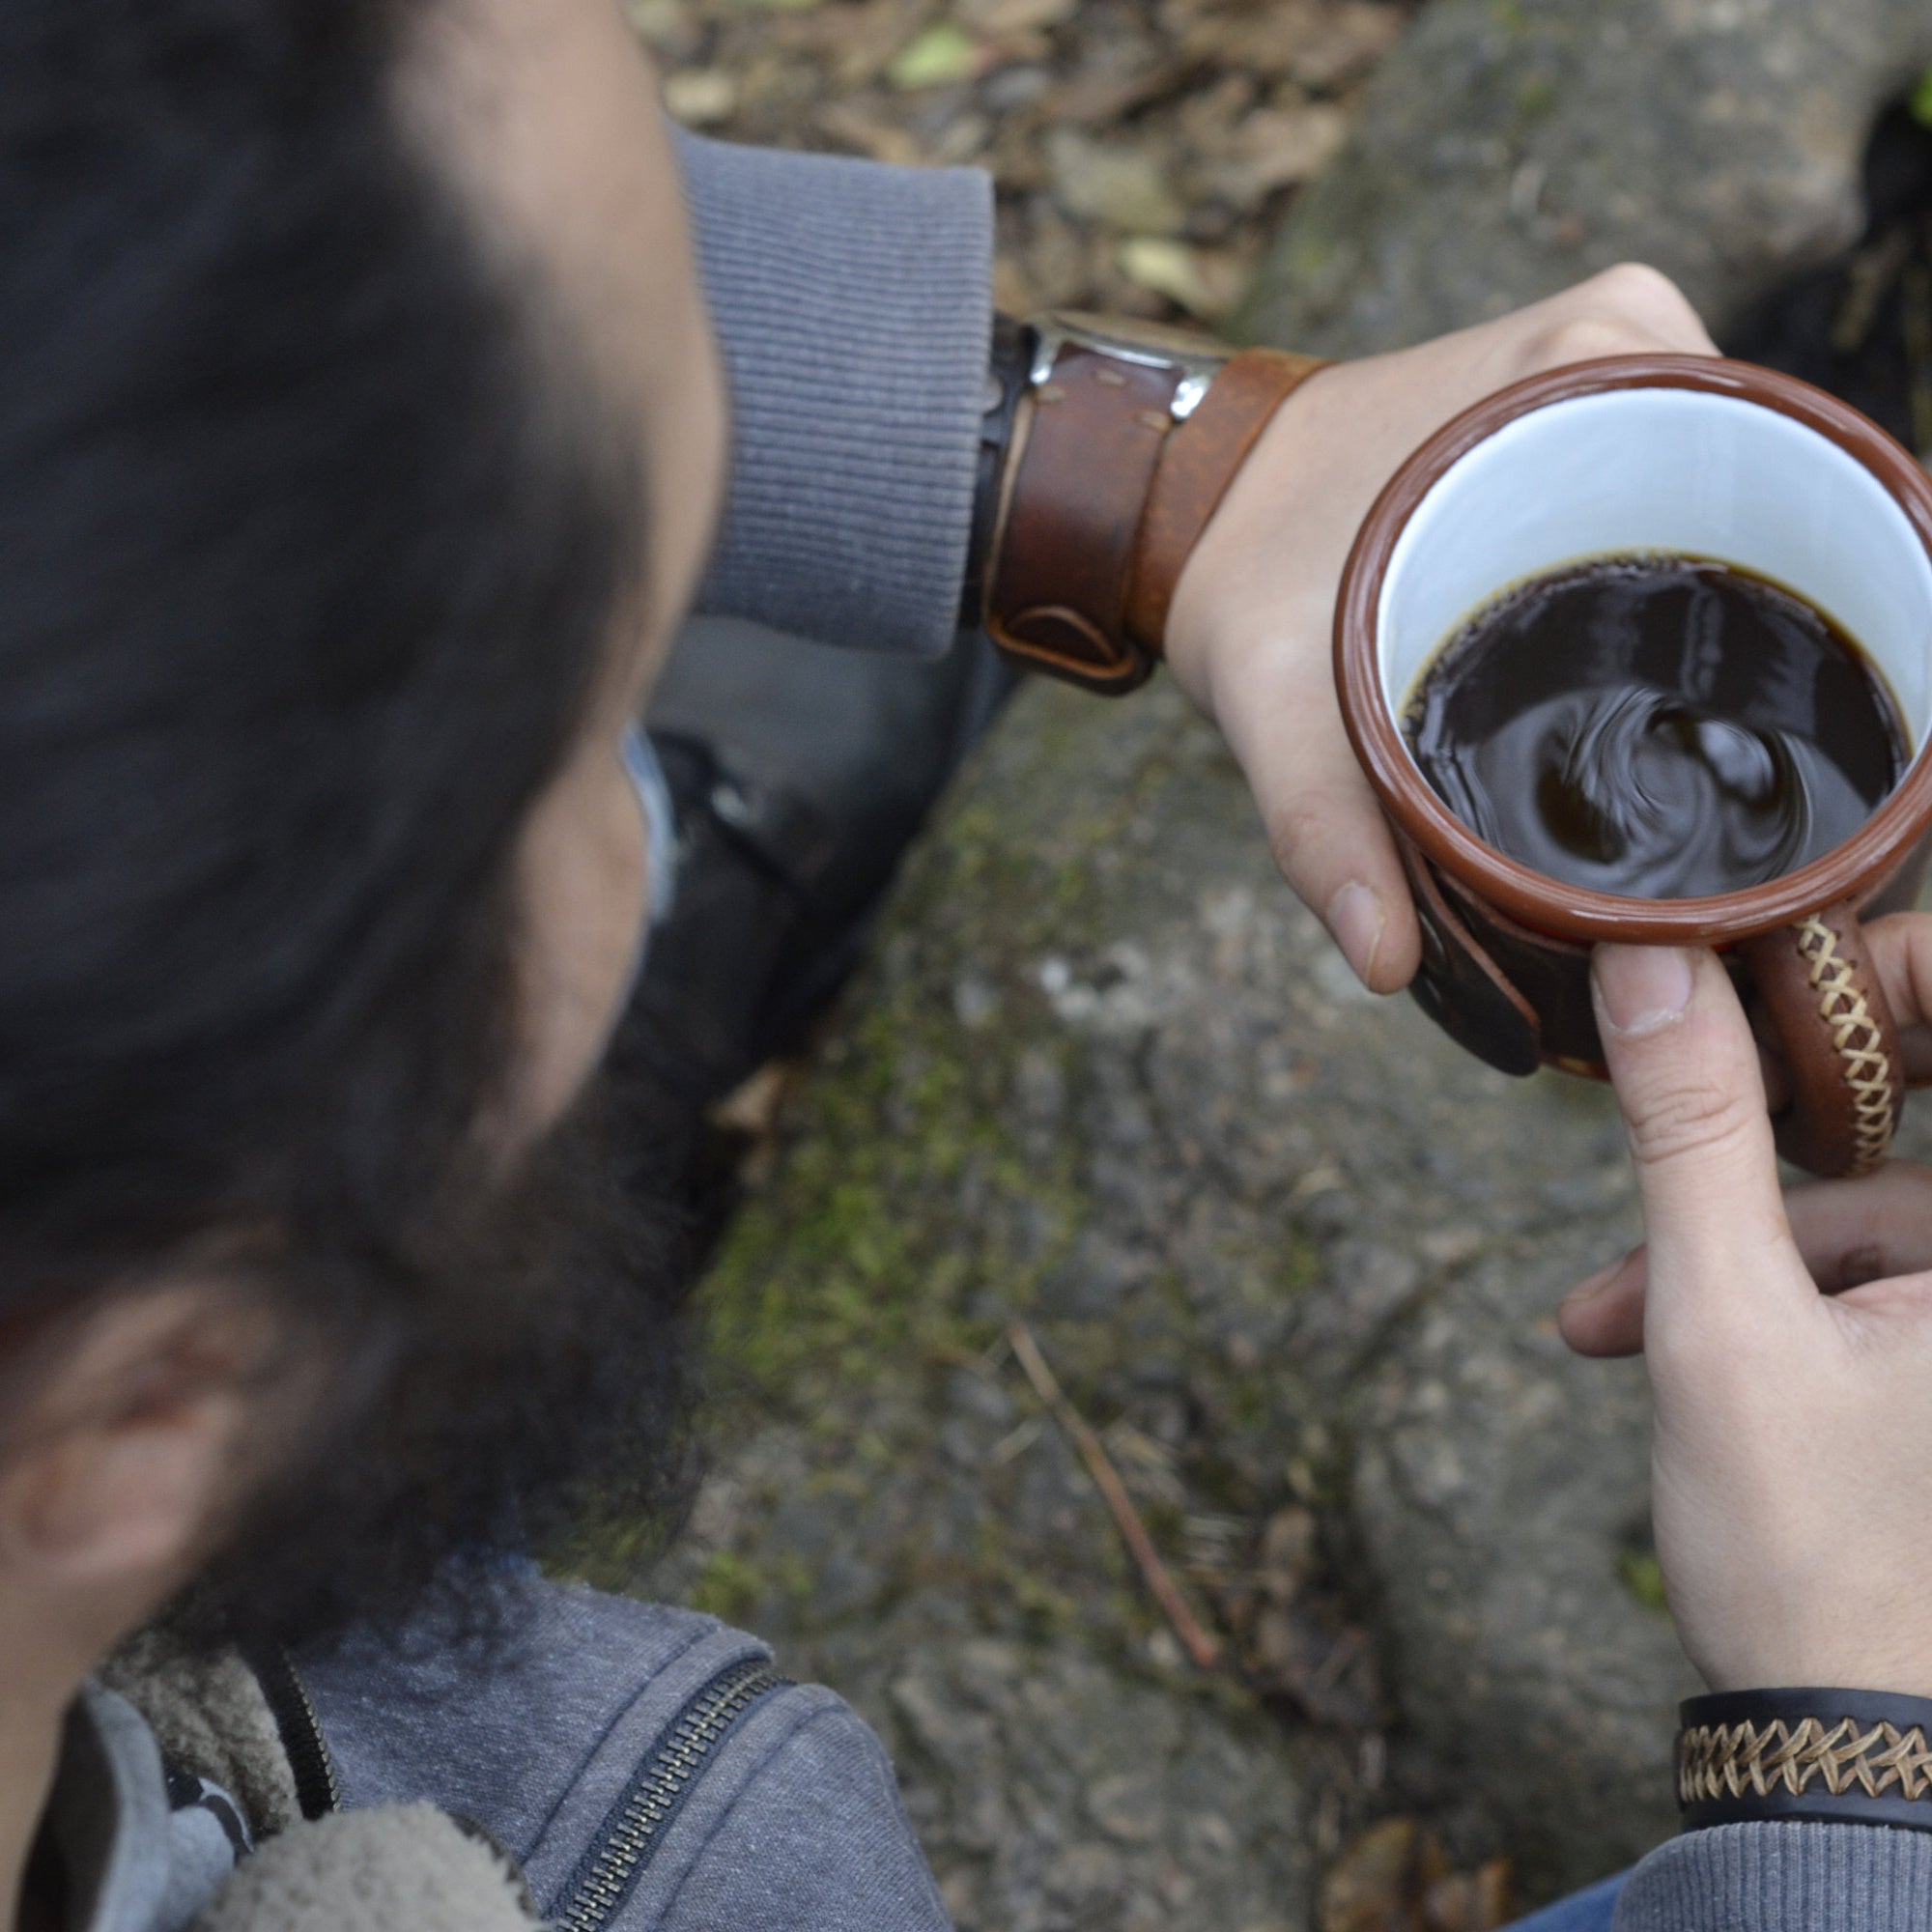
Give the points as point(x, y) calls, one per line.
point(361, 436)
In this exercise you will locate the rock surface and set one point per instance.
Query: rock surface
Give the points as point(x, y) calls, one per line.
point(1510, 146)
point(1109, 1079)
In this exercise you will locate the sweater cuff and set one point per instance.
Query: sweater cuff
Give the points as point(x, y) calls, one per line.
point(1783, 1878)
point(854, 302)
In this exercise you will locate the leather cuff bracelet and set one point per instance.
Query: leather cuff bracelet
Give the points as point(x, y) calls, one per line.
point(1127, 442)
point(1850, 1757)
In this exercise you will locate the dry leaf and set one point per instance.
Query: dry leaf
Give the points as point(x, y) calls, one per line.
point(939, 57)
point(1122, 186)
point(1000, 19)
point(1374, 1886)
point(1396, 1877)
point(1096, 98)
point(877, 140)
point(1346, 44)
point(1186, 277)
point(1470, 1901)
point(1275, 147)
point(666, 26)
point(700, 97)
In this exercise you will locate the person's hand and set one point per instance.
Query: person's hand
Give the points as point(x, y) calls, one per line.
point(1791, 1480)
point(1249, 633)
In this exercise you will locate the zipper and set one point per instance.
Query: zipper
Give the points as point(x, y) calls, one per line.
point(316, 1789)
point(634, 1825)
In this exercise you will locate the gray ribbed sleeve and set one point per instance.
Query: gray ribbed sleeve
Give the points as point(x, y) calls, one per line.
point(855, 306)
point(1783, 1878)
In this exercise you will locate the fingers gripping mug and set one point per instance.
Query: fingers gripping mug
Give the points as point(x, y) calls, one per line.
point(1641, 454)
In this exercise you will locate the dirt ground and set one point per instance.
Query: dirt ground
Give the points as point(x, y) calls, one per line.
point(1144, 150)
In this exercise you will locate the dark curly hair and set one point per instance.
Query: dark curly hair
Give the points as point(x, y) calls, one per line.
point(314, 536)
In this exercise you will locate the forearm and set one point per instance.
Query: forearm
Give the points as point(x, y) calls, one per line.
point(854, 302)
point(1783, 1878)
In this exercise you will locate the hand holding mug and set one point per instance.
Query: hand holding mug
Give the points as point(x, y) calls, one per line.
point(1249, 631)
point(1789, 1497)
point(1604, 465)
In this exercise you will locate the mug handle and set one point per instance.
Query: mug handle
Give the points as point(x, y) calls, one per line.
point(1830, 1013)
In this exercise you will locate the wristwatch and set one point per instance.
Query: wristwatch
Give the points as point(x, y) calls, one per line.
point(1125, 437)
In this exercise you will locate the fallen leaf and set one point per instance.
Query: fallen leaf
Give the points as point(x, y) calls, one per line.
point(1475, 1901)
point(961, 140)
point(1205, 282)
point(1274, 148)
point(1346, 44)
point(700, 97)
point(1098, 99)
point(664, 23)
point(1124, 186)
point(1396, 1877)
point(877, 140)
point(997, 19)
point(1168, 268)
point(939, 57)
point(1376, 1885)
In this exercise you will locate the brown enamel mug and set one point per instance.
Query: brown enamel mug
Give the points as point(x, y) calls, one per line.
point(1705, 458)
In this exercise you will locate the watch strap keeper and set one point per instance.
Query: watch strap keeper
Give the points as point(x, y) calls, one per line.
point(1816, 1755)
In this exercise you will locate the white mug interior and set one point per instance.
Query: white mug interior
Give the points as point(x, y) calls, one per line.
point(1663, 469)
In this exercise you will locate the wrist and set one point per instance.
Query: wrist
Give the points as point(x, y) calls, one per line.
point(1263, 567)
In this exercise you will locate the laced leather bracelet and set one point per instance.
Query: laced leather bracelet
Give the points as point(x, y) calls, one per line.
point(1113, 450)
point(1851, 1757)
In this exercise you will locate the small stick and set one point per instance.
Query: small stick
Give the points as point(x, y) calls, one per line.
point(1199, 1645)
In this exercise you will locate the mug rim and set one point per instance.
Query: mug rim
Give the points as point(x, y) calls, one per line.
point(1851, 869)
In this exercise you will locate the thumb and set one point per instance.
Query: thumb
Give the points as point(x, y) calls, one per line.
point(1687, 1074)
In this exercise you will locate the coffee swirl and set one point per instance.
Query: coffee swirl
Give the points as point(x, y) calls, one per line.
point(1658, 728)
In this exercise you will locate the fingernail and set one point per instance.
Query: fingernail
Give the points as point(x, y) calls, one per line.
point(1640, 988)
point(1592, 1286)
point(1355, 919)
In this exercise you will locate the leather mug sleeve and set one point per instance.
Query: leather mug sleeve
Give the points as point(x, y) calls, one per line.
point(1108, 495)
point(1818, 989)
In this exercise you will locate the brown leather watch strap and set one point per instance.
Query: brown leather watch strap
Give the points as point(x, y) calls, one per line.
point(1108, 495)
point(1093, 436)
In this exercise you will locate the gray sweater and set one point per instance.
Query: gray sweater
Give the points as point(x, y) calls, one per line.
point(854, 305)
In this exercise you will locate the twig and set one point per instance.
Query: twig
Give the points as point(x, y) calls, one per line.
point(1199, 1645)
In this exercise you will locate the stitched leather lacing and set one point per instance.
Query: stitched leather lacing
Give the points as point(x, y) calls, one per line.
point(1720, 1761)
point(1860, 1045)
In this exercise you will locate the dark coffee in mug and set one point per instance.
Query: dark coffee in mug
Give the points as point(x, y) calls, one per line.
point(1657, 726)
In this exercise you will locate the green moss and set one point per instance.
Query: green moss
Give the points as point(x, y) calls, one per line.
point(728, 1586)
point(1536, 100)
point(1299, 1266)
point(1639, 1572)
point(855, 1264)
point(1922, 100)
